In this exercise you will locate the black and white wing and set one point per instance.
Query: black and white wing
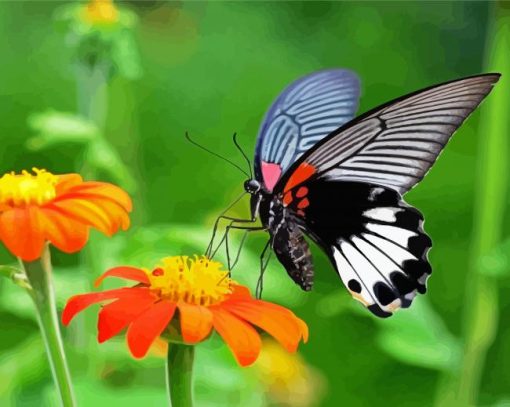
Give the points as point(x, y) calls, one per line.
point(305, 112)
point(374, 239)
point(395, 144)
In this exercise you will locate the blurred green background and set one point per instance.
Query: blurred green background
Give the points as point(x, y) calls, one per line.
point(113, 100)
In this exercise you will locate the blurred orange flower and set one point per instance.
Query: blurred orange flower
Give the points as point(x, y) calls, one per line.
point(40, 207)
point(205, 297)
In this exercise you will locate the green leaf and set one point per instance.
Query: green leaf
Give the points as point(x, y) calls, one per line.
point(53, 127)
point(125, 56)
point(9, 271)
point(30, 363)
point(502, 403)
point(96, 393)
point(418, 336)
point(497, 262)
point(102, 156)
point(334, 303)
point(16, 275)
point(66, 281)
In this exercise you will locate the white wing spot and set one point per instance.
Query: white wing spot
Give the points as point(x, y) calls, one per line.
point(383, 214)
point(398, 235)
point(347, 273)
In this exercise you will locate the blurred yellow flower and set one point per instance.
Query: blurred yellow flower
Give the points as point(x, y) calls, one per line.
point(288, 379)
point(99, 12)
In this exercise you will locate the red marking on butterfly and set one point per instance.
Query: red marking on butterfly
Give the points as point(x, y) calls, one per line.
point(304, 203)
point(302, 173)
point(302, 192)
point(287, 198)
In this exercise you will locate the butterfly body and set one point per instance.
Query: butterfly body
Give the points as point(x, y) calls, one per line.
point(340, 181)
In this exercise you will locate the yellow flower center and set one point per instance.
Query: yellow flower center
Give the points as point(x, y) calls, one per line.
point(198, 281)
point(25, 188)
point(101, 12)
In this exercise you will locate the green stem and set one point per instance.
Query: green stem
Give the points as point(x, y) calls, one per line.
point(180, 374)
point(39, 275)
point(481, 306)
point(92, 91)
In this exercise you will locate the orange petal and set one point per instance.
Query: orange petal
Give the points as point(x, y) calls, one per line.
point(304, 329)
point(78, 303)
point(115, 211)
point(84, 212)
point(21, 232)
point(129, 273)
point(105, 190)
point(242, 339)
point(148, 326)
point(277, 321)
point(100, 212)
point(196, 322)
point(119, 217)
point(239, 291)
point(4, 207)
point(64, 233)
point(114, 317)
point(66, 182)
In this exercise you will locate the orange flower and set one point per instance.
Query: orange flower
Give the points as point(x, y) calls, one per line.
point(57, 208)
point(205, 297)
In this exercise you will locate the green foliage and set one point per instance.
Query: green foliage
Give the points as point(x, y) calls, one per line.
point(419, 337)
point(53, 127)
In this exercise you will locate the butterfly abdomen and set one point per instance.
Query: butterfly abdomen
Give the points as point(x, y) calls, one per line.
point(288, 243)
point(294, 253)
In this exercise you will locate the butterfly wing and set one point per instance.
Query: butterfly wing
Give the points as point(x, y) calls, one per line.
point(375, 240)
point(305, 112)
point(345, 192)
point(395, 144)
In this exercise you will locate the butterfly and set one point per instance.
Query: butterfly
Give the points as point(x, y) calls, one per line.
point(340, 180)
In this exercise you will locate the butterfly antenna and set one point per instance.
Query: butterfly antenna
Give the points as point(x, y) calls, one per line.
point(216, 154)
point(234, 137)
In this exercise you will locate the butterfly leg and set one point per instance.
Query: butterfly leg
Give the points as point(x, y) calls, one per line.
point(263, 266)
point(212, 252)
point(238, 254)
point(247, 229)
point(220, 217)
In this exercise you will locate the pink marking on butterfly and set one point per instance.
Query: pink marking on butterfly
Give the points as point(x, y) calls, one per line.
point(271, 173)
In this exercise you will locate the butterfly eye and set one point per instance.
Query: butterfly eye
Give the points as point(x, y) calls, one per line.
point(252, 186)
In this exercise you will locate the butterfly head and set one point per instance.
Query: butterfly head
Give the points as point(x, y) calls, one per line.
point(252, 186)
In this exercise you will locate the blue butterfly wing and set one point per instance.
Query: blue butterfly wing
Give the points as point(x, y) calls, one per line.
point(307, 110)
